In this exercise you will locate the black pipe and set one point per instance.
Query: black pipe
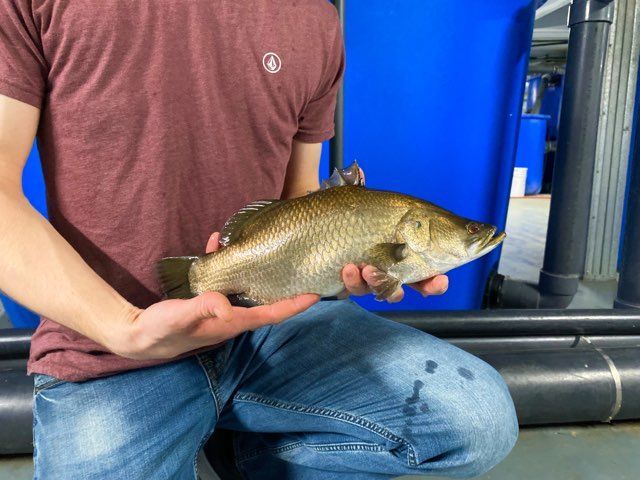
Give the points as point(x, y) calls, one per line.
point(336, 145)
point(508, 323)
point(629, 282)
point(480, 345)
point(566, 243)
point(569, 386)
point(16, 400)
point(14, 343)
point(584, 383)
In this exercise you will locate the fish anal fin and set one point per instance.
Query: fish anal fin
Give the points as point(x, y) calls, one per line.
point(232, 230)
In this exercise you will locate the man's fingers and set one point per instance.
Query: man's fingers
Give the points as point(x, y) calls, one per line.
point(371, 275)
point(353, 280)
point(432, 286)
point(214, 242)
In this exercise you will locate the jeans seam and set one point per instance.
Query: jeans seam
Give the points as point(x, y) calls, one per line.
point(329, 413)
point(325, 447)
point(259, 451)
point(206, 436)
point(33, 430)
point(204, 439)
point(212, 388)
point(46, 385)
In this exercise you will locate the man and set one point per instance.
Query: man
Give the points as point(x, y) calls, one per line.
point(156, 120)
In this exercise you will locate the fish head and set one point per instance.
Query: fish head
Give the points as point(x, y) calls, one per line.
point(446, 240)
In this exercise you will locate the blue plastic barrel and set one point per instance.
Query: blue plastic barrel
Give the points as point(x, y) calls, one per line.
point(551, 103)
point(533, 88)
point(433, 95)
point(33, 187)
point(531, 147)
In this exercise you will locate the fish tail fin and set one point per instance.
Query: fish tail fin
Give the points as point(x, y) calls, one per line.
point(173, 273)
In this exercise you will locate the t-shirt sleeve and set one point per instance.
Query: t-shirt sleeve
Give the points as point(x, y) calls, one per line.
point(22, 64)
point(316, 122)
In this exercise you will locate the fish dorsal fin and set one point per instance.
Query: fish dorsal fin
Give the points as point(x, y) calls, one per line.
point(234, 227)
point(351, 175)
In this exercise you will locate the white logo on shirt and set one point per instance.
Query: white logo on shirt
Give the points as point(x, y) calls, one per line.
point(271, 62)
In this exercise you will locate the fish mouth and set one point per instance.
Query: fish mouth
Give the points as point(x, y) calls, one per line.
point(495, 240)
point(489, 242)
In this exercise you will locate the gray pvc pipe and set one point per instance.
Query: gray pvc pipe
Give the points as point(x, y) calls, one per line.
point(576, 152)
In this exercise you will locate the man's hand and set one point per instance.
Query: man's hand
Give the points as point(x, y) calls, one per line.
point(359, 281)
point(171, 327)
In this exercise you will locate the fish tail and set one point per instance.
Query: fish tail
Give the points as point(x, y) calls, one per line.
point(173, 273)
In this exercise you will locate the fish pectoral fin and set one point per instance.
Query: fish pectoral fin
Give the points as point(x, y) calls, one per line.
point(384, 285)
point(232, 230)
point(384, 255)
point(344, 176)
point(242, 300)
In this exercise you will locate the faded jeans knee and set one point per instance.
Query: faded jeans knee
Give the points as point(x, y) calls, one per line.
point(480, 426)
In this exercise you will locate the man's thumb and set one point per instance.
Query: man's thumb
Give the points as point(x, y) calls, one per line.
point(208, 305)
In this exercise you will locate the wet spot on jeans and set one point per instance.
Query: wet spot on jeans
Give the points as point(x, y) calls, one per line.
point(409, 410)
point(408, 435)
point(466, 373)
point(430, 366)
point(424, 408)
point(417, 385)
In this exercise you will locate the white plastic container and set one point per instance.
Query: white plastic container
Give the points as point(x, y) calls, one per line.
point(519, 182)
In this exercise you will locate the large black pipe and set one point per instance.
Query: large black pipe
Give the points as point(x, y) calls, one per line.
point(566, 244)
point(596, 381)
point(629, 283)
point(481, 345)
point(569, 386)
point(508, 323)
point(14, 343)
point(336, 145)
point(16, 400)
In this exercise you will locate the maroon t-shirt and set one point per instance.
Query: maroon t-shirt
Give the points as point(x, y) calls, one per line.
point(159, 119)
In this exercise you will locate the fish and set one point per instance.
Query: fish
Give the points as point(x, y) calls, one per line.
point(271, 250)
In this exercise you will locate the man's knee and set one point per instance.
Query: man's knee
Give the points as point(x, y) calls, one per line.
point(484, 426)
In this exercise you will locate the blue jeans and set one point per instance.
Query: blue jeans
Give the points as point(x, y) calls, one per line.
point(334, 393)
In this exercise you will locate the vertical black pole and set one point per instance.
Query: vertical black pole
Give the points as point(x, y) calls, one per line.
point(336, 145)
point(629, 282)
point(565, 250)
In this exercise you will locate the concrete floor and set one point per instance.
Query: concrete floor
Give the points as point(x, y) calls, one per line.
point(587, 452)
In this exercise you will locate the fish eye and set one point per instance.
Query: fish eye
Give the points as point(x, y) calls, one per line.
point(473, 228)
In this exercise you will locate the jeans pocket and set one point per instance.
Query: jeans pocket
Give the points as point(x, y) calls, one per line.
point(43, 382)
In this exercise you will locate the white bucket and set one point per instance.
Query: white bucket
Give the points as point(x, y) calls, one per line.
point(519, 182)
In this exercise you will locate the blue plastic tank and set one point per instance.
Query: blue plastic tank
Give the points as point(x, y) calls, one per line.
point(531, 147)
point(433, 98)
point(551, 103)
point(33, 187)
point(532, 89)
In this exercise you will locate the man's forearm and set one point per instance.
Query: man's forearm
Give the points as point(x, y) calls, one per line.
point(302, 171)
point(42, 271)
